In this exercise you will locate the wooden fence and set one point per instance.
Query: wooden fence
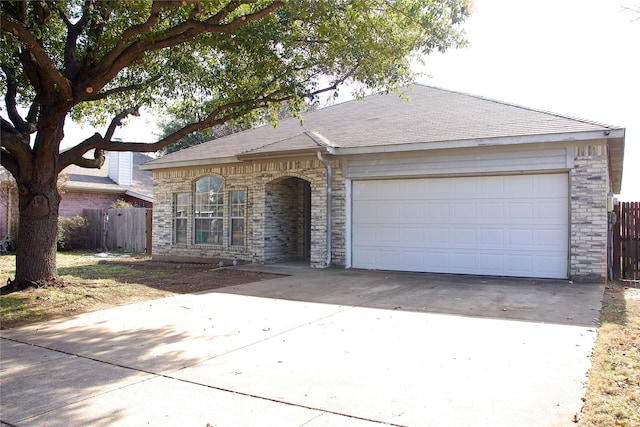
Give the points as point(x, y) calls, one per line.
point(626, 241)
point(125, 230)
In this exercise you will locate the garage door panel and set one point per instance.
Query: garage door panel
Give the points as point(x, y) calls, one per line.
point(437, 211)
point(437, 236)
point(413, 211)
point(552, 211)
point(413, 236)
point(464, 237)
point(492, 211)
point(492, 237)
point(390, 234)
point(464, 211)
point(502, 225)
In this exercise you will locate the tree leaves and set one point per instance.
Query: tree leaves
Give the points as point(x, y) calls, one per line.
point(227, 57)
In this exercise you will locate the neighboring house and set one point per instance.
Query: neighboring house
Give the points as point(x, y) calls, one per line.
point(440, 182)
point(119, 178)
point(8, 206)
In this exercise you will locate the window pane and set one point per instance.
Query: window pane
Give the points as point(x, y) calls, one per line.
point(180, 211)
point(181, 231)
point(237, 217)
point(237, 232)
point(209, 210)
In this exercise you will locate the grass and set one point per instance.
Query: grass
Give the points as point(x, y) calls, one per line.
point(88, 285)
point(613, 392)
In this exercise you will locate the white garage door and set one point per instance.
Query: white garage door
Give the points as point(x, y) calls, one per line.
point(498, 225)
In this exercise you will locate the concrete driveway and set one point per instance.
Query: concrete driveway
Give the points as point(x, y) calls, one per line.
point(318, 348)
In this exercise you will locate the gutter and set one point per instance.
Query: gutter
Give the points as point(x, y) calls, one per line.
point(327, 165)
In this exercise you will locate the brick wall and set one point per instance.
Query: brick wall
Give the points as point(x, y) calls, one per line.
point(274, 223)
point(588, 205)
point(8, 211)
point(73, 203)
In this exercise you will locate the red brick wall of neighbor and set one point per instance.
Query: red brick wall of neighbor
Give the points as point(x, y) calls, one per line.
point(8, 212)
point(73, 203)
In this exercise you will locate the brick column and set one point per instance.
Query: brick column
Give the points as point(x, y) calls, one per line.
point(589, 187)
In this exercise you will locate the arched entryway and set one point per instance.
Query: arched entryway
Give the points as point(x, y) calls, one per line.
point(287, 234)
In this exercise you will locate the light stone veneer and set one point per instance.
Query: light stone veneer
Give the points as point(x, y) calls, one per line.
point(588, 186)
point(275, 204)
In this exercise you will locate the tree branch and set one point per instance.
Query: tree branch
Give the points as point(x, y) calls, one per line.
point(117, 121)
point(122, 56)
point(21, 125)
point(71, 65)
point(108, 93)
point(9, 162)
point(74, 156)
point(13, 143)
point(39, 57)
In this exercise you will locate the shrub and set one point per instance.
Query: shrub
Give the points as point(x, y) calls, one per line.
point(72, 233)
point(120, 204)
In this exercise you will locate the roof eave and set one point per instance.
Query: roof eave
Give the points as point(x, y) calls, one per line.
point(285, 153)
point(482, 142)
point(189, 163)
point(615, 147)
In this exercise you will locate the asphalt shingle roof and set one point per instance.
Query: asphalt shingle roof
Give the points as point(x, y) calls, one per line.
point(424, 115)
point(86, 179)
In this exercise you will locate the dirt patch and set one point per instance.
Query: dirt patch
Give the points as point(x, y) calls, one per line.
point(88, 283)
point(187, 278)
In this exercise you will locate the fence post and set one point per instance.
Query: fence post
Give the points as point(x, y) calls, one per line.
point(616, 241)
point(149, 228)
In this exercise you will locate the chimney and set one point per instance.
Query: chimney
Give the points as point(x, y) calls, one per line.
point(121, 167)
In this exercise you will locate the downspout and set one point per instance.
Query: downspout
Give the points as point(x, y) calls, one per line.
point(327, 165)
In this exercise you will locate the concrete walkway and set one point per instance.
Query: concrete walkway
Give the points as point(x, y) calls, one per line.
point(319, 348)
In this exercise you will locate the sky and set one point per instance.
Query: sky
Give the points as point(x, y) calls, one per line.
point(579, 58)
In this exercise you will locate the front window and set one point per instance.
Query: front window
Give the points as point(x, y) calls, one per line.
point(237, 217)
point(180, 210)
point(209, 211)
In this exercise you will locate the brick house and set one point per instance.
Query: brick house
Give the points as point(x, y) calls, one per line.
point(436, 181)
point(119, 178)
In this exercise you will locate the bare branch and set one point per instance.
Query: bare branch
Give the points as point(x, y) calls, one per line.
point(74, 156)
point(71, 65)
point(117, 121)
point(39, 58)
point(108, 93)
point(634, 9)
point(9, 162)
point(18, 151)
point(20, 124)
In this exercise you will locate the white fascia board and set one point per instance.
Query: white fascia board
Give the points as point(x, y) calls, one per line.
point(483, 142)
point(89, 189)
point(189, 163)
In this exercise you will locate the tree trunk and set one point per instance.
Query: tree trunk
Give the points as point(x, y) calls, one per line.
point(37, 234)
point(39, 201)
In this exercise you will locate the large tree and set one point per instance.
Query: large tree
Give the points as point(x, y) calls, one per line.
point(100, 61)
